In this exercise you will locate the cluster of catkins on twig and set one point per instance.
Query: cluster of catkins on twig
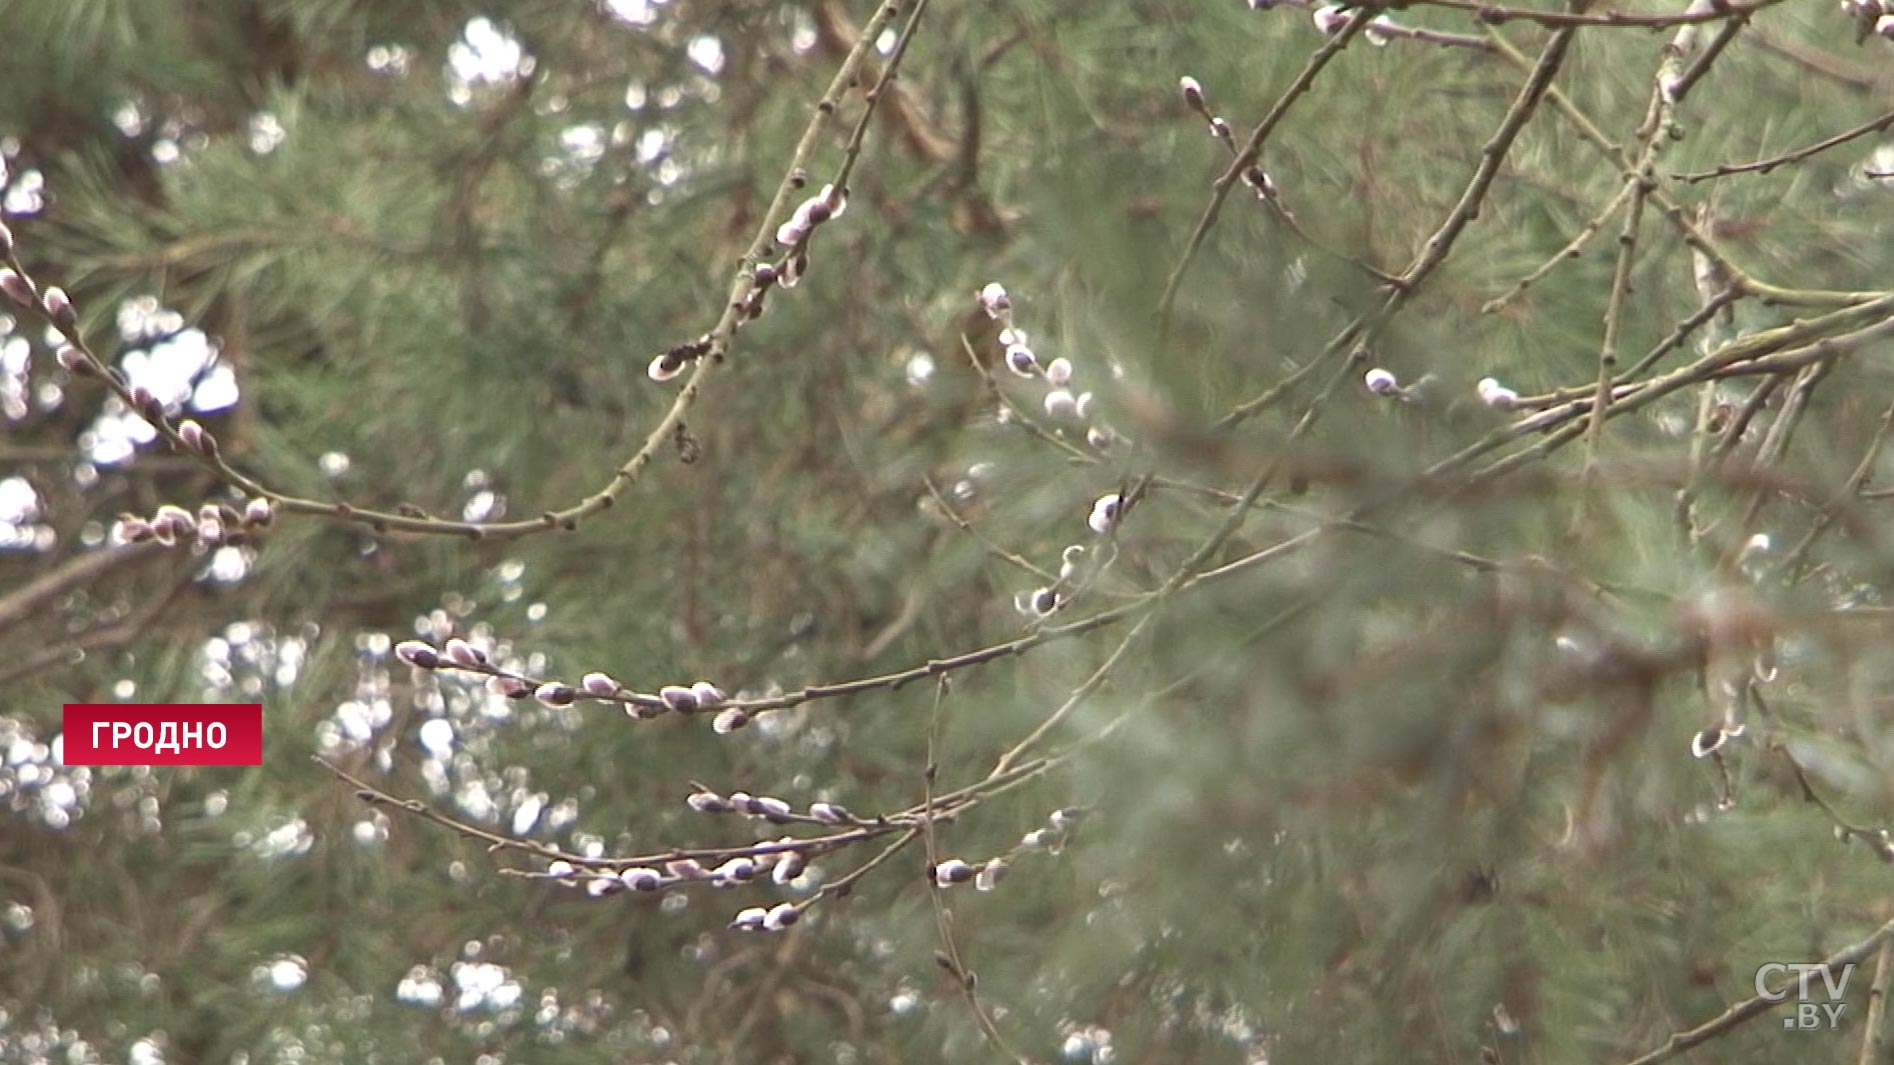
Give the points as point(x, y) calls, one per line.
point(779, 861)
point(793, 237)
point(783, 861)
point(1065, 409)
point(214, 523)
point(597, 686)
point(986, 875)
point(1254, 176)
point(1382, 382)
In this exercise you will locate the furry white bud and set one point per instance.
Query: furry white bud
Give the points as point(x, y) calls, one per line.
point(1494, 394)
point(990, 875)
point(1381, 382)
point(729, 720)
point(639, 878)
point(596, 683)
point(837, 201)
point(416, 653)
point(197, 438)
point(1192, 90)
point(793, 232)
point(1059, 372)
point(665, 367)
point(16, 288)
point(1061, 404)
point(1021, 360)
point(678, 697)
point(750, 918)
point(510, 687)
point(554, 694)
point(813, 211)
point(788, 866)
point(736, 871)
point(58, 307)
point(462, 653)
point(995, 300)
point(952, 871)
point(176, 521)
point(829, 813)
point(1331, 18)
point(770, 807)
point(708, 695)
point(781, 916)
point(1104, 513)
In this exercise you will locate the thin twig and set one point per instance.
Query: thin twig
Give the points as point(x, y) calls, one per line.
point(1872, 1029)
point(1614, 313)
point(1359, 333)
point(716, 342)
point(1572, 249)
point(1495, 14)
point(992, 548)
point(1072, 700)
point(1764, 166)
point(1252, 148)
point(1751, 1008)
point(1849, 492)
point(1673, 211)
point(950, 956)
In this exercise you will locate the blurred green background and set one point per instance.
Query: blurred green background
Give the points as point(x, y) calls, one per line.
point(1419, 791)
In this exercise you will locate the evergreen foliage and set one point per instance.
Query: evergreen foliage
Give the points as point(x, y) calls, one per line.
point(1360, 730)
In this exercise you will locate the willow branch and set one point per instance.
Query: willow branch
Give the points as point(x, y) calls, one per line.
point(1764, 166)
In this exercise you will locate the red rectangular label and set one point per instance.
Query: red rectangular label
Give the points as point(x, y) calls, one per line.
point(164, 734)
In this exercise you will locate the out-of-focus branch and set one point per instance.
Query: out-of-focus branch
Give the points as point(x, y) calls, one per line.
point(32, 600)
point(1495, 14)
point(1764, 166)
point(1252, 149)
point(712, 346)
point(1751, 1008)
point(1873, 1029)
point(74, 649)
